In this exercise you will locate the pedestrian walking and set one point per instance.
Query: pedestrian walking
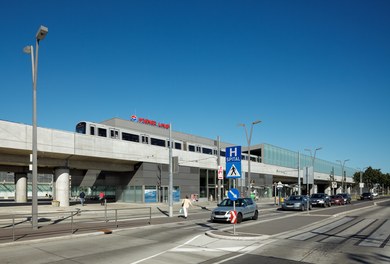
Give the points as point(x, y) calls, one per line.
point(186, 203)
point(82, 198)
point(101, 198)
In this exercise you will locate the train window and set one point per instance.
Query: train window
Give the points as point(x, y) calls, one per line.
point(191, 148)
point(114, 133)
point(157, 142)
point(81, 128)
point(92, 130)
point(223, 153)
point(198, 148)
point(207, 151)
point(177, 145)
point(130, 137)
point(102, 132)
point(145, 139)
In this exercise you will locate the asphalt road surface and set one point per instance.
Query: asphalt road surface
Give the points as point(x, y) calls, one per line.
point(345, 234)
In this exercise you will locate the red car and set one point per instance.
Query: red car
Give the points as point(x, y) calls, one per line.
point(337, 200)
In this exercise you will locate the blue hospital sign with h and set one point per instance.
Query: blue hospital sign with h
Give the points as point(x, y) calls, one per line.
point(233, 162)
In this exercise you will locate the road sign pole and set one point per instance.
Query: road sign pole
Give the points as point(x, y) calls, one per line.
point(234, 207)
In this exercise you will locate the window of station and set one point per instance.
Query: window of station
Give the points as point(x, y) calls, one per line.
point(102, 132)
point(145, 139)
point(191, 148)
point(207, 151)
point(177, 145)
point(130, 137)
point(157, 142)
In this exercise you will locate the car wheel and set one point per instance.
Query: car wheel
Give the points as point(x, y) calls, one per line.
point(239, 218)
point(256, 215)
point(302, 207)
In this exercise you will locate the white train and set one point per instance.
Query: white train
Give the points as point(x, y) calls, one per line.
point(101, 130)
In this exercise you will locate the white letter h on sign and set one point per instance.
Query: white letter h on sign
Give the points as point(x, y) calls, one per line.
point(233, 152)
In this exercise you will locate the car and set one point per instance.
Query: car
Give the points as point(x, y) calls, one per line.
point(320, 199)
point(296, 202)
point(347, 197)
point(366, 195)
point(246, 209)
point(337, 199)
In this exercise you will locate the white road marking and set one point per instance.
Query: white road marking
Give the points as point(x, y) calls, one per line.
point(377, 238)
point(321, 230)
point(165, 251)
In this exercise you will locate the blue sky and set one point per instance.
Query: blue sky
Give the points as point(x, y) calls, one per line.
point(317, 73)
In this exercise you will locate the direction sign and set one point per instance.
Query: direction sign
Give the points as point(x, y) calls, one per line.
point(233, 217)
point(233, 162)
point(233, 194)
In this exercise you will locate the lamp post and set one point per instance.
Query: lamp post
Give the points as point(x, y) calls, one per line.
point(361, 180)
point(248, 139)
point(41, 34)
point(313, 158)
point(342, 172)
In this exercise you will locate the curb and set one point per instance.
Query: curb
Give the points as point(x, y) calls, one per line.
point(237, 236)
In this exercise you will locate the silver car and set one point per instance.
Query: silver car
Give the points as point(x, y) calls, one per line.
point(246, 209)
point(297, 202)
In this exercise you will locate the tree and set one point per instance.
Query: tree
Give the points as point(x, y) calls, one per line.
point(372, 177)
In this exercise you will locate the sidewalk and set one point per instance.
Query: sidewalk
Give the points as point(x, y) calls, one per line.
point(10, 207)
point(53, 221)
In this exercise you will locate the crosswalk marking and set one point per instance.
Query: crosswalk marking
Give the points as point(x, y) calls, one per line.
point(356, 230)
point(349, 232)
point(322, 230)
point(379, 237)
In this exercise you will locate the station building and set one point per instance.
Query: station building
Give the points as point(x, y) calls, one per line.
point(145, 144)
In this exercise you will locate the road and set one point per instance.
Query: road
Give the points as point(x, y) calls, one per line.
point(345, 234)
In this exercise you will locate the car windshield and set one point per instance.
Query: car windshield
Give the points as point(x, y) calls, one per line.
point(228, 202)
point(295, 198)
point(317, 195)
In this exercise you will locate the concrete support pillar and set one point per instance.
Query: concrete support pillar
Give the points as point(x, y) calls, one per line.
point(328, 190)
point(21, 187)
point(313, 189)
point(61, 183)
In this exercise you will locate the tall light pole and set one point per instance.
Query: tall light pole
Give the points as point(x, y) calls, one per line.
point(361, 180)
point(248, 139)
point(41, 34)
point(342, 163)
point(313, 158)
point(170, 191)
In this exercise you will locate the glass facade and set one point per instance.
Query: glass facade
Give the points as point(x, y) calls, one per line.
point(273, 155)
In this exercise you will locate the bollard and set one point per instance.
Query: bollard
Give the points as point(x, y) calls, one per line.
point(105, 210)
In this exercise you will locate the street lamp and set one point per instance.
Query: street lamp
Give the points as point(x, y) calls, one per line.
point(361, 180)
point(313, 158)
point(248, 139)
point(342, 172)
point(41, 34)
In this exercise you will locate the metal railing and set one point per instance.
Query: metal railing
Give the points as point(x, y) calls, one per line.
point(15, 227)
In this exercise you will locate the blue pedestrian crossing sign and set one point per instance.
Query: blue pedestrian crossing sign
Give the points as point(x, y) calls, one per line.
point(233, 162)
